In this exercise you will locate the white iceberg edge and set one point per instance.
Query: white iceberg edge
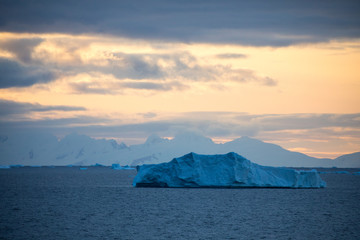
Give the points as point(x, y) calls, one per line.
point(222, 171)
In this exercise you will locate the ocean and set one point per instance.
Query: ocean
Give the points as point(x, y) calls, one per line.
point(100, 203)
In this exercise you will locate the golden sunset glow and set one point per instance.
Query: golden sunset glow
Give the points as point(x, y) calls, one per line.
point(301, 72)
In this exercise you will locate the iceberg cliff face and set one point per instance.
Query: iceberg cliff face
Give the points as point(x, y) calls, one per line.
point(228, 170)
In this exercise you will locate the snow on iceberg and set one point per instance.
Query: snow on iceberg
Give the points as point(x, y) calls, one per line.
point(227, 170)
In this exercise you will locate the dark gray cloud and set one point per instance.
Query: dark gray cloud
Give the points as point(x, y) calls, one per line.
point(14, 108)
point(275, 23)
point(21, 48)
point(14, 74)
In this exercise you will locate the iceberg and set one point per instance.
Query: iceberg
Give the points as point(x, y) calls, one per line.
point(97, 165)
point(16, 166)
point(117, 166)
point(222, 170)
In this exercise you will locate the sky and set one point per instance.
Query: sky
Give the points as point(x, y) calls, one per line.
point(285, 72)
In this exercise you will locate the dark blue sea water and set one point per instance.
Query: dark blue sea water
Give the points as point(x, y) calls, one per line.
point(100, 203)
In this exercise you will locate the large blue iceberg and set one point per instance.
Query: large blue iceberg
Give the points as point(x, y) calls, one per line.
point(222, 170)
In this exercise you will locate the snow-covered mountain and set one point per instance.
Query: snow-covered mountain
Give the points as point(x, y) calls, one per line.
point(46, 149)
point(349, 160)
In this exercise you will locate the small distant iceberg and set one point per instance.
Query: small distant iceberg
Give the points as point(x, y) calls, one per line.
point(5, 167)
point(222, 170)
point(356, 173)
point(83, 168)
point(117, 166)
point(16, 166)
point(97, 165)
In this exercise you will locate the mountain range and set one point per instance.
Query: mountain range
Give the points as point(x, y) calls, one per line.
point(74, 149)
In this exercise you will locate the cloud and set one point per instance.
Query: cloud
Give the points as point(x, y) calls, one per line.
point(148, 115)
point(154, 86)
point(161, 72)
point(231, 55)
point(275, 23)
point(156, 66)
point(97, 83)
point(108, 71)
point(246, 75)
point(21, 48)
point(308, 121)
point(13, 74)
point(92, 87)
point(179, 65)
point(233, 124)
point(56, 126)
point(21, 108)
point(268, 81)
point(212, 124)
point(136, 66)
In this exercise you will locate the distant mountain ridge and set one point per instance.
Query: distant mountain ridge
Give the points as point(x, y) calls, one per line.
point(74, 149)
point(348, 158)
